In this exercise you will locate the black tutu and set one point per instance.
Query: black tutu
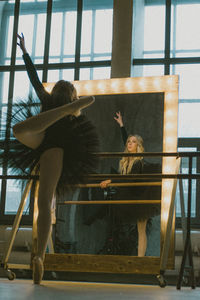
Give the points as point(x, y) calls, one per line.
point(75, 135)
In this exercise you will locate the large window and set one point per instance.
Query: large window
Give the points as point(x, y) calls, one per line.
point(73, 40)
point(69, 40)
point(167, 42)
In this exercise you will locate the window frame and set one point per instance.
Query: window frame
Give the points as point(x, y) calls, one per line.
point(169, 61)
point(48, 7)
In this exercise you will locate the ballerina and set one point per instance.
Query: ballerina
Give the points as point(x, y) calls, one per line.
point(133, 165)
point(60, 143)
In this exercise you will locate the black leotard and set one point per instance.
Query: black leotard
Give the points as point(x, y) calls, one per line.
point(75, 135)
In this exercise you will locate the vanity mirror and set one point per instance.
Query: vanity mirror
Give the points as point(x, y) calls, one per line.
point(149, 106)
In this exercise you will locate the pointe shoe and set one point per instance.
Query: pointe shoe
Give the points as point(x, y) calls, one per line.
point(77, 105)
point(38, 270)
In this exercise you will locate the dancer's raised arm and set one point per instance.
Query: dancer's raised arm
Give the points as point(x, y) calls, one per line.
point(32, 73)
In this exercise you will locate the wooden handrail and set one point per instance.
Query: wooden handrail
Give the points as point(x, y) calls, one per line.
point(111, 202)
point(93, 185)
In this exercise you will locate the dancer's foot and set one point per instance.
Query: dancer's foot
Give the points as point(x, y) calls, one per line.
point(77, 105)
point(38, 270)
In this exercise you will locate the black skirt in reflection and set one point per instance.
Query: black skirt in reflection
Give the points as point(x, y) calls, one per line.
point(134, 212)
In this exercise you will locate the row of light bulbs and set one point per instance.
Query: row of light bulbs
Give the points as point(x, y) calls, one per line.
point(128, 85)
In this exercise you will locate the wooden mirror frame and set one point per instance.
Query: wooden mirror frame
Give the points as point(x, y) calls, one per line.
point(168, 85)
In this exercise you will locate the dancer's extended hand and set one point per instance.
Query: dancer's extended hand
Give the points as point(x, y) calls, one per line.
point(21, 43)
point(119, 119)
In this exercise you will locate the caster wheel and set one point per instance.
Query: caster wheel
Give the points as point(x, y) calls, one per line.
point(185, 280)
point(11, 275)
point(162, 282)
point(193, 287)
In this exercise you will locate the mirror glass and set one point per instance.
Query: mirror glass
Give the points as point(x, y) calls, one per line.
point(112, 229)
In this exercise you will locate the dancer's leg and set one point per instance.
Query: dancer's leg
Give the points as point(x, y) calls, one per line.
point(51, 162)
point(31, 131)
point(142, 237)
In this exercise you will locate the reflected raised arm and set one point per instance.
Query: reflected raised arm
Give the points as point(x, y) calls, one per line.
point(118, 119)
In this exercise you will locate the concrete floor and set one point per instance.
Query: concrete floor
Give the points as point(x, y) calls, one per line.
point(58, 290)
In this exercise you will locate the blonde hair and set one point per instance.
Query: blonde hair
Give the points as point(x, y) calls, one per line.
point(126, 163)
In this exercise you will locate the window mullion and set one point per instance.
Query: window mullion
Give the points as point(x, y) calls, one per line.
point(64, 15)
point(33, 45)
point(78, 39)
point(174, 38)
point(47, 40)
point(92, 40)
point(10, 96)
point(167, 37)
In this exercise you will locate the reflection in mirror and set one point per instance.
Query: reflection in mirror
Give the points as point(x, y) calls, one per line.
point(113, 229)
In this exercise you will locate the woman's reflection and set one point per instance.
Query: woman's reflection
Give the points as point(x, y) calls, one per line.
point(139, 213)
